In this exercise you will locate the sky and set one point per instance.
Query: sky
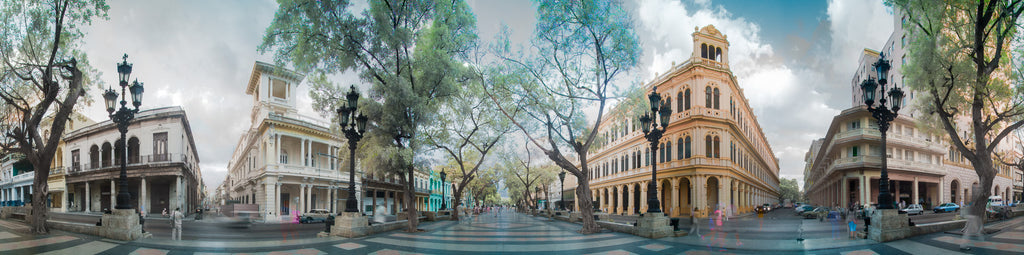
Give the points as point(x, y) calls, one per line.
point(794, 59)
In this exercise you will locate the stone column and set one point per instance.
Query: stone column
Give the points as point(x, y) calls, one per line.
point(643, 197)
point(302, 198)
point(661, 199)
point(864, 192)
point(64, 199)
point(88, 199)
point(277, 199)
point(302, 153)
point(113, 195)
point(270, 213)
point(177, 192)
point(618, 202)
point(277, 148)
point(674, 209)
point(143, 197)
point(913, 193)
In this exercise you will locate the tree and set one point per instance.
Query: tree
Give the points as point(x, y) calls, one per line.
point(469, 133)
point(408, 50)
point(523, 176)
point(43, 74)
point(958, 52)
point(789, 189)
point(581, 48)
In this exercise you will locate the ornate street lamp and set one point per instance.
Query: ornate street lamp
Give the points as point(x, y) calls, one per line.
point(122, 118)
point(653, 135)
point(561, 180)
point(884, 116)
point(354, 131)
point(444, 200)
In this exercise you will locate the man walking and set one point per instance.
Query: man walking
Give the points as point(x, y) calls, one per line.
point(176, 218)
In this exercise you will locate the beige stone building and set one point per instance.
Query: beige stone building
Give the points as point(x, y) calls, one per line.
point(713, 155)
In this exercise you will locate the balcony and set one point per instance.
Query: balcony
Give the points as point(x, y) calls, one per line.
point(57, 170)
point(309, 171)
point(140, 161)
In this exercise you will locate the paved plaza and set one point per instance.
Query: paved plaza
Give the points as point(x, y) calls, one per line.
point(508, 233)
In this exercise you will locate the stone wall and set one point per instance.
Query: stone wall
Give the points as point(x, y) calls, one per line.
point(81, 228)
point(618, 227)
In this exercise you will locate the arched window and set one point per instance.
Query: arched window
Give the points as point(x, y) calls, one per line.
point(717, 140)
point(703, 50)
point(647, 157)
point(718, 54)
point(679, 104)
point(94, 157)
point(717, 95)
point(732, 151)
point(707, 146)
point(686, 99)
point(732, 108)
point(668, 103)
point(615, 166)
point(661, 153)
point(707, 97)
point(687, 147)
point(680, 148)
point(106, 154)
point(668, 151)
point(625, 163)
point(133, 150)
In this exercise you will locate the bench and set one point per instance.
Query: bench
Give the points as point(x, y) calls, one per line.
point(18, 216)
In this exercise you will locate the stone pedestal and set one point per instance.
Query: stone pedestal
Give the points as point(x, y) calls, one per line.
point(653, 225)
point(350, 224)
point(122, 224)
point(575, 216)
point(888, 225)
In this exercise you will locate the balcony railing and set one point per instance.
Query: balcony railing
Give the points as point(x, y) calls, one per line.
point(57, 170)
point(142, 160)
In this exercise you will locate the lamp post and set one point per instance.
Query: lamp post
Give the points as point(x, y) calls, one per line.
point(884, 116)
point(444, 200)
point(561, 180)
point(122, 118)
point(354, 131)
point(653, 135)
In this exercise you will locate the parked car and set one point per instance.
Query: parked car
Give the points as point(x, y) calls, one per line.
point(947, 207)
point(803, 208)
point(768, 207)
point(315, 215)
point(819, 212)
point(761, 209)
point(914, 209)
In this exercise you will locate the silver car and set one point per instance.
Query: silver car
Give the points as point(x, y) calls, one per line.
point(914, 209)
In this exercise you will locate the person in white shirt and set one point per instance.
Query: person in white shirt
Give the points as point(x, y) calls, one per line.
point(176, 218)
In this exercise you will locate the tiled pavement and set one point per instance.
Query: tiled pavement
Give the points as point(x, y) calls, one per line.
point(515, 233)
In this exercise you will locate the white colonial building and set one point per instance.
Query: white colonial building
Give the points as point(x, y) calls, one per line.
point(163, 165)
point(285, 162)
point(844, 167)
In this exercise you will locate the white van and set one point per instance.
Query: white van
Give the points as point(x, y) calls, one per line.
point(995, 201)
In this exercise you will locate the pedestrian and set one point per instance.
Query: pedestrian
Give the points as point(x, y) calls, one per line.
point(852, 223)
point(695, 223)
point(165, 212)
point(176, 219)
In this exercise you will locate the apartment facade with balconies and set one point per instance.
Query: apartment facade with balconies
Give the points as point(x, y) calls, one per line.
point(713, 155)
point(162, 164)
point(285, 162)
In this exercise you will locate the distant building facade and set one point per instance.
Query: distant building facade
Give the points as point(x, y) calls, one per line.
point(163, 164)
point(844, 167)
point(285, 162)
point(713, 155)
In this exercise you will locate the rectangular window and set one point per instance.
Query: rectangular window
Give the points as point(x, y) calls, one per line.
point(160, 147)
point(855, 124)
point(76, 161)
point(903, 41)
point(279, 88)
point(854, 151)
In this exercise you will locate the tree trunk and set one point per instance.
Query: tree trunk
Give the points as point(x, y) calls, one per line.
point(455, 204)
point(40, 212)
point(586, 208)
point(979, 198)
point(410, 205)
